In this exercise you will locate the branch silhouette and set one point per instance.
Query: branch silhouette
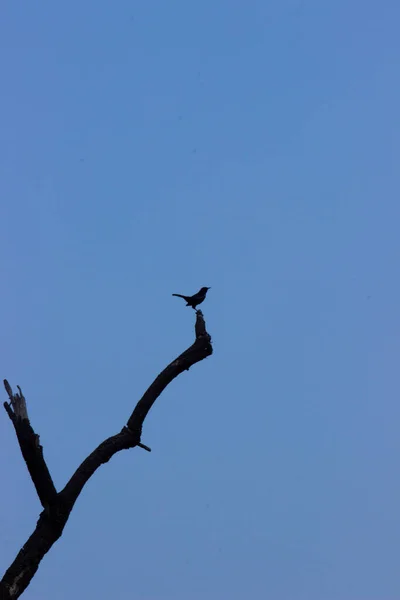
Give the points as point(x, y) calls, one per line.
point(57, 506)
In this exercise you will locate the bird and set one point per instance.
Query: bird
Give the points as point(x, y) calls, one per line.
point(196, 299)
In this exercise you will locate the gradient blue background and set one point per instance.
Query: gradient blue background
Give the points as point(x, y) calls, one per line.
point(156, 147)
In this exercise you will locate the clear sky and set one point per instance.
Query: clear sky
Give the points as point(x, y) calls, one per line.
point(156, 147)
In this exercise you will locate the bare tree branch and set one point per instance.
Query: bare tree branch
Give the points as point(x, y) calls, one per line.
point(31, 449)
point(58, 506)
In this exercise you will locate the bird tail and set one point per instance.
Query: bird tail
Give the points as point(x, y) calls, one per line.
point(180, 296)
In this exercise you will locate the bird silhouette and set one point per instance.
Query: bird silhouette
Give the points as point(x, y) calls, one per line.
point(196, 299)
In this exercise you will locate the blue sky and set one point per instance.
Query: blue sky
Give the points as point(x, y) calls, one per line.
point(156, 147)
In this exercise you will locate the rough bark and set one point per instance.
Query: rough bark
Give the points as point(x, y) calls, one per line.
point(57, 506)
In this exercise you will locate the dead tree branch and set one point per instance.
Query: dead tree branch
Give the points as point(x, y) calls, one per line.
point(31, 449)
point(58, 506)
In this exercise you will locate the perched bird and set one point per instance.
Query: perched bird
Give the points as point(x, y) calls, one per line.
point(196, 299)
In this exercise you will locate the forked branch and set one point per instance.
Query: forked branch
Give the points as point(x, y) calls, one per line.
point(58, 506)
